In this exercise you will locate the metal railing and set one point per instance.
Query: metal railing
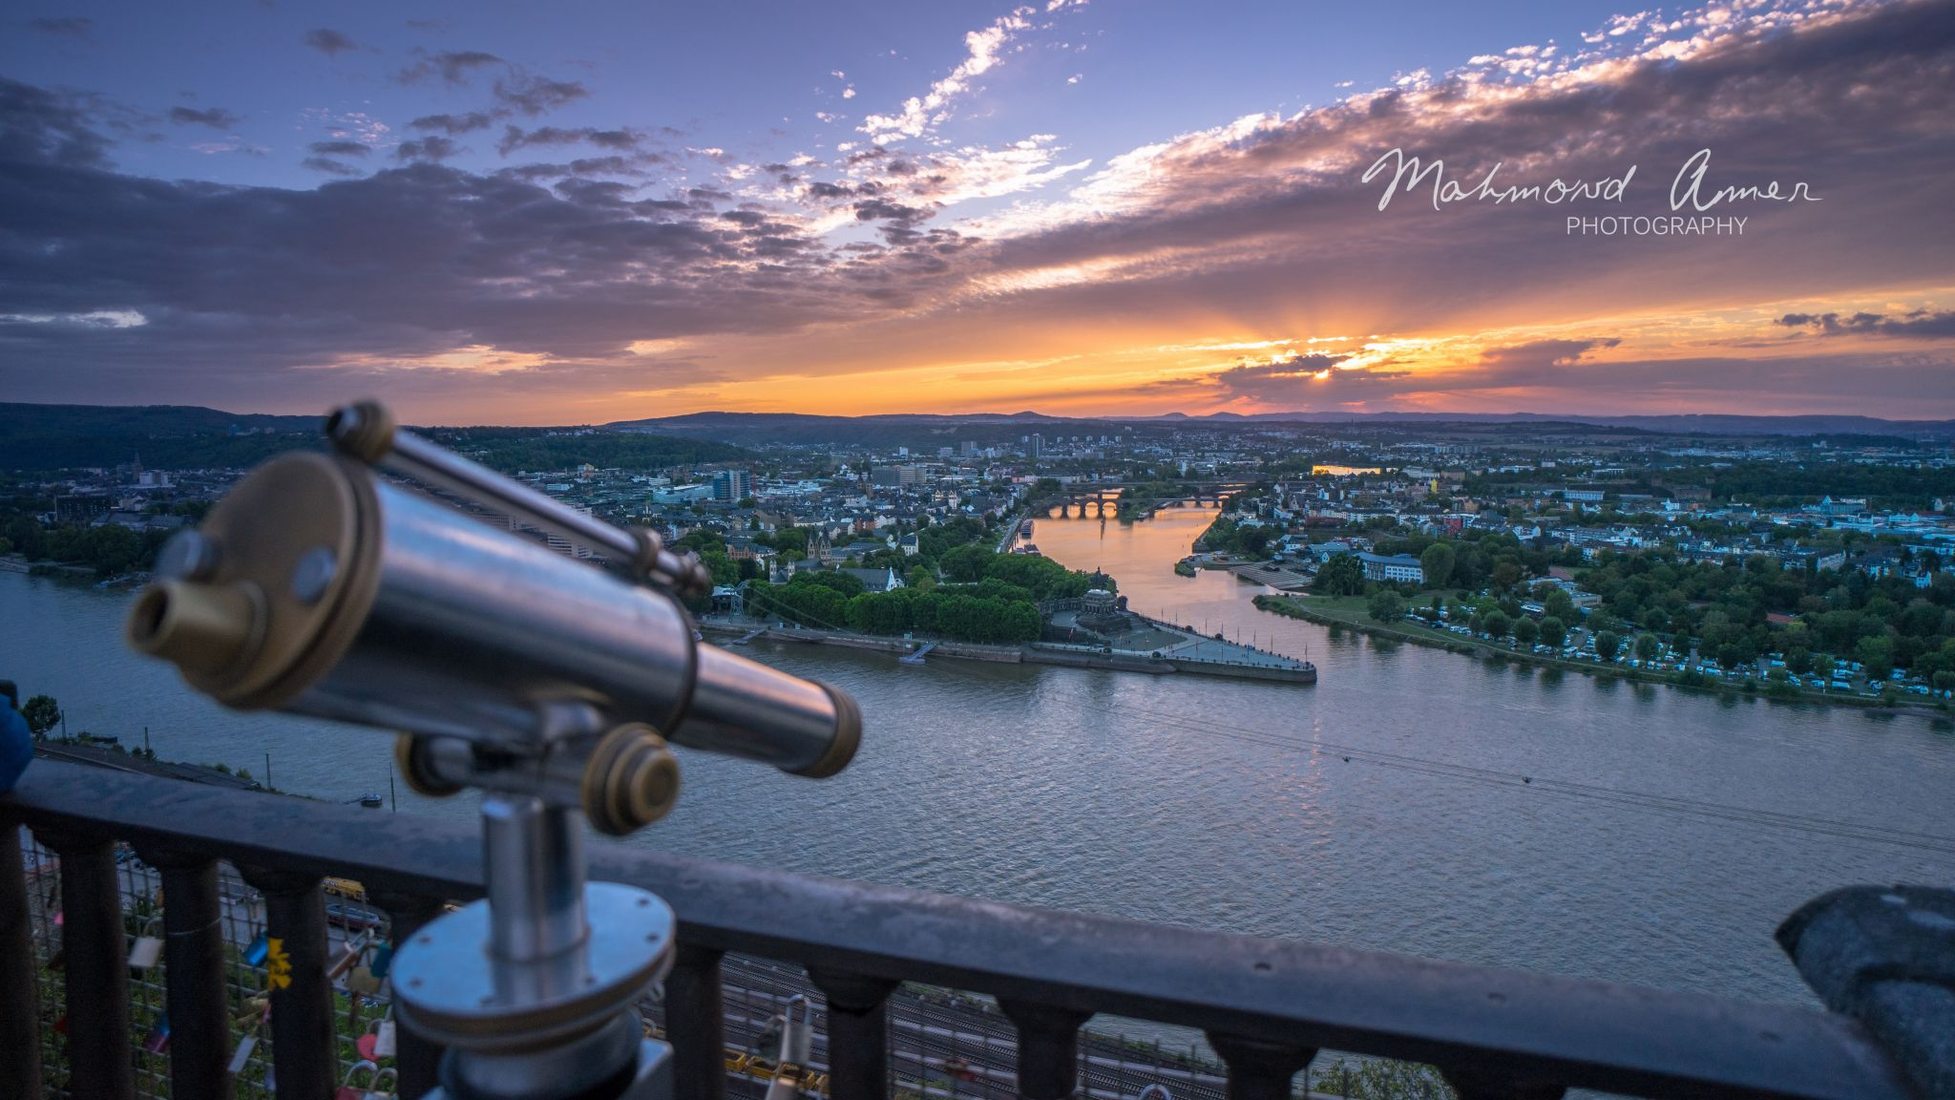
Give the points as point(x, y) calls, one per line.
point(1266, 1005)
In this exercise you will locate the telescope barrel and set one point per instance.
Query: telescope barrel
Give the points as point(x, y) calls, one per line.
point(321, 589)
point(366, 431)
point(746, 709)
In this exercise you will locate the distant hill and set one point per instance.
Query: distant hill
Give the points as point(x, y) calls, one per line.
point(929, 431)
point(1723, 424)
point(57, 437)
point(925, 431)
point(52, 437)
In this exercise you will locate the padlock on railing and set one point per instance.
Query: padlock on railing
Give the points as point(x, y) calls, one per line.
point(355, 949)
point(241, 1057)
point(361, 980)
point(157, 1039)
point(258, 1012)
point(383, 959)
point(148, 947)
point(379, 1041)
point(369, 1091)
point(258, 951)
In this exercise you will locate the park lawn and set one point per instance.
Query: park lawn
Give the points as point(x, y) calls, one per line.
point(1355, 611)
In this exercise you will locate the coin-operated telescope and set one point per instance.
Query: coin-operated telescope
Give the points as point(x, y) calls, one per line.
point(320, 587)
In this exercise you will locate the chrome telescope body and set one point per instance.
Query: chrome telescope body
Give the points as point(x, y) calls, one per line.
point(317, 587)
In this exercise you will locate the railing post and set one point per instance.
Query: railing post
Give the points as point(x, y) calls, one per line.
point(1258, 1069)
point(417, 1058)
point(20, 995)
point(193, 968)
point(94, 943)
point(695, 1024)
point(1048, 1048)
point(303, 1059)
point(858, 1033)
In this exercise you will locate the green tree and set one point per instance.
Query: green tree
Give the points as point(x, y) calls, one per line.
point(1608, 643)
point(42, 714)
point(1553, 631)
point(1527, 631)
point(1506, 573)
point(1386, 606)
point(1342, 575)
point(1647, 647)
point(1496, 624)
point(1877, 654)
point(966, 564)
point(1437, 562)
point(1253, 541)
point(1559, 604)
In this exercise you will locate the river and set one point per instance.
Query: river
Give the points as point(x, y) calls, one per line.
point(1230, 805)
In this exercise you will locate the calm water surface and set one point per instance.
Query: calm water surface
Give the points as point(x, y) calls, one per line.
point(1222, 804)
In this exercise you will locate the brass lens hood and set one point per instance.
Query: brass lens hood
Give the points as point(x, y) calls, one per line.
point(297, 542)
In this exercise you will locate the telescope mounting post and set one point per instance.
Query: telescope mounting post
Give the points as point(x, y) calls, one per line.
point(533, 988)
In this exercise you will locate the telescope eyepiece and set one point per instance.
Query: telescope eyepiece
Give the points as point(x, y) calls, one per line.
point(209, 628)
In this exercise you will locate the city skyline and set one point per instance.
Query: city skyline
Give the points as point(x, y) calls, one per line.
point(1079, 208)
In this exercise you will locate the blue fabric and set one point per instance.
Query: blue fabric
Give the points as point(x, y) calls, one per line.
point(16, 746)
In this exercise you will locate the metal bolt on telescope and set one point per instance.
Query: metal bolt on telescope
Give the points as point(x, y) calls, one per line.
point(319, 587)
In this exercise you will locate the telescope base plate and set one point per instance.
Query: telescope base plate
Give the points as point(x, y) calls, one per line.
point(452, 990)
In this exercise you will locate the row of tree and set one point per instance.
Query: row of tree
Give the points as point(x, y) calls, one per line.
point(1733, 612)
point(1739, 611)
point(108, 549)
point(959, 612)
point(1488, 616)
point(985, 597)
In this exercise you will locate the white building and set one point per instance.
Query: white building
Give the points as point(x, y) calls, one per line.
point(1395, 568)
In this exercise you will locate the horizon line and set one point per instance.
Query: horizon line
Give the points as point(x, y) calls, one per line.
point(1432, 415)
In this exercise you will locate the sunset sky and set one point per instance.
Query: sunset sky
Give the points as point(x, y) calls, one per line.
point(619, 210)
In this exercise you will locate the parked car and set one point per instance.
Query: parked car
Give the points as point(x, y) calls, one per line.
point(352, 916)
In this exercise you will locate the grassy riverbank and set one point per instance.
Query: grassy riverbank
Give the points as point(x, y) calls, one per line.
point(1352, 612)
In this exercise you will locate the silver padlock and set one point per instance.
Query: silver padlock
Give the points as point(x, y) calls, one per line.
point(350, 1091)
point(378, 1042)
point(148, 947)
point(386, 1077)
point(242, 1056)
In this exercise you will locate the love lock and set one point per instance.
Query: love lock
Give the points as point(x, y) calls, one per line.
point(379, 1041)
point(383, 959)
point(372, 1090)
point(356, 949)
point(148, 947)
point(361, 980)
point(241, 1057)
point(157, 1039)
